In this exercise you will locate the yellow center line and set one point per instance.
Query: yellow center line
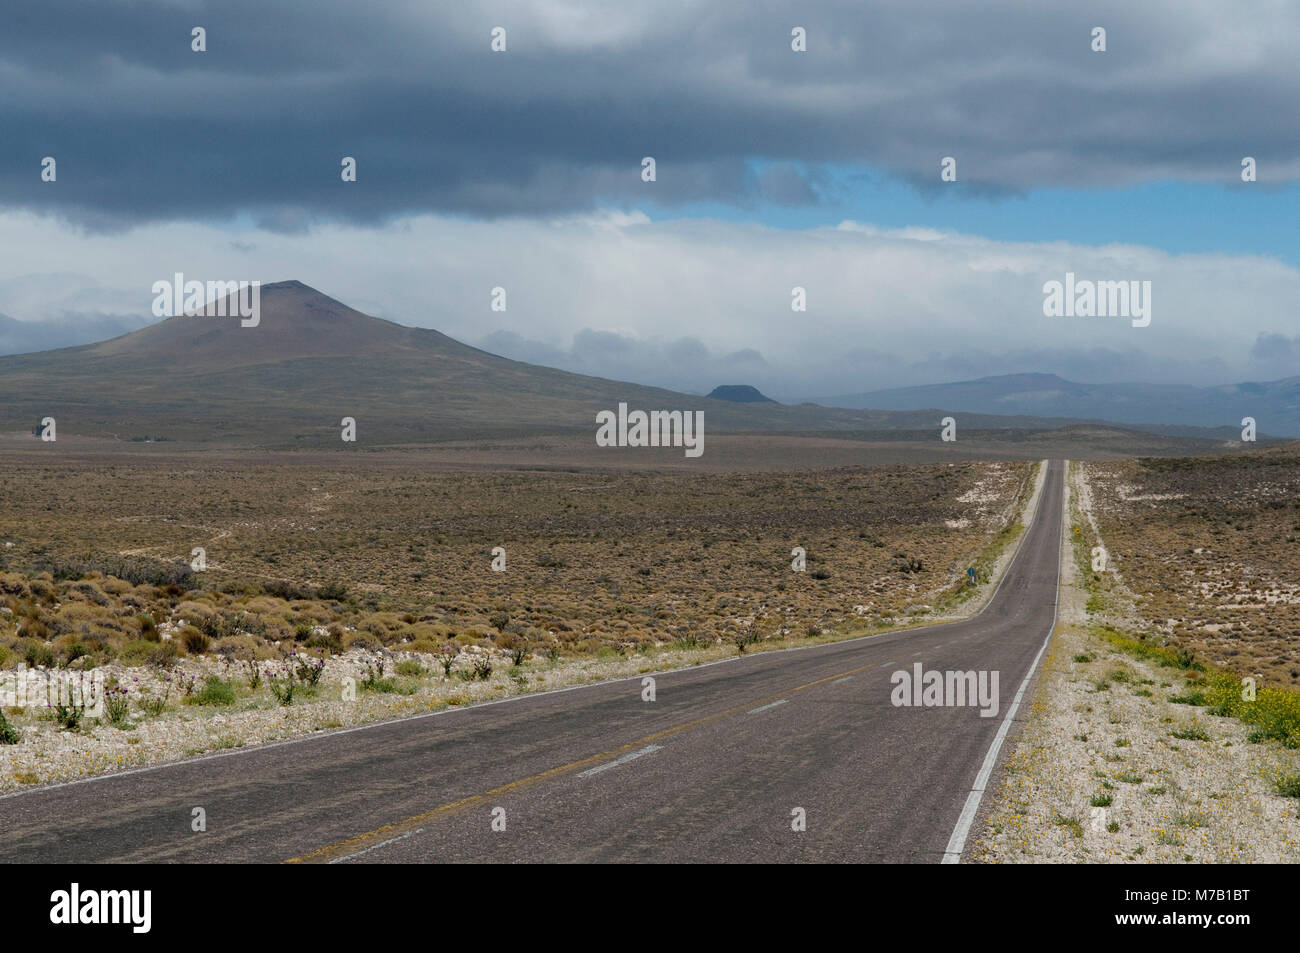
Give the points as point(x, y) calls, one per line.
point(361, 841)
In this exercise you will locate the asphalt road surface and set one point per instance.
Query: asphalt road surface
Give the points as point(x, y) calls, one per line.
point(720, 767)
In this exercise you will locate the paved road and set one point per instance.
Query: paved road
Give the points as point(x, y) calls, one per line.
point(710, 771)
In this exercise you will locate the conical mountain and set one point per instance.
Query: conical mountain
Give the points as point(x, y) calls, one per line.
point(310, 361)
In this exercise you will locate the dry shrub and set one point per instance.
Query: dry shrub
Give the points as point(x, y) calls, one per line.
point(381, 623)
point(34, 628)
point(164, 654)
point(423, 633)
point(312, 612)
point(193, 612)
point(243, 648)
point(115, 586)
point(266, 606)
point(195, 642)
point(63, 643)
point(88, 591)
point(137, 652)
point(71, 616)
point(42, 586)
point(13, 584)
point(361, 640)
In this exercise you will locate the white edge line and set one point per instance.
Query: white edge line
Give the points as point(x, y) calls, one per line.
point(957, 842)
point(317, 736)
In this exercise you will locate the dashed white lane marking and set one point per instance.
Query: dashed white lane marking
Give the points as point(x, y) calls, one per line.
point(844, 679)
point(755, 711)
point(382, 843)
point(648, 749)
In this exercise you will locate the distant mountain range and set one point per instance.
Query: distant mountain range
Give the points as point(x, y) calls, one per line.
point(68, 330)
point(1275, 405)
point(312, 360)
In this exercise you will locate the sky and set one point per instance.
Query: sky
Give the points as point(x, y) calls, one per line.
point(775, 169)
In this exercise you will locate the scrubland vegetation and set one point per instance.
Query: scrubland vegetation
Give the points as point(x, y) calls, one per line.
point(383, 577)
point(97, 569)
point(1204, 556)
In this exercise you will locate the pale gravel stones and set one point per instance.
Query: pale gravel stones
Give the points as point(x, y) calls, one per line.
point(1172, 799)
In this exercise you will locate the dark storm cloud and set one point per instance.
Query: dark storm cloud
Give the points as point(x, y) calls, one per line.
point(143, 128)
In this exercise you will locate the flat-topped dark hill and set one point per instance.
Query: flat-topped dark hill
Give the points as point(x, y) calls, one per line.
point(740, 394)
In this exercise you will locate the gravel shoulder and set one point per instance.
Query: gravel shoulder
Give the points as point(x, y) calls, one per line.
point(1112, 764)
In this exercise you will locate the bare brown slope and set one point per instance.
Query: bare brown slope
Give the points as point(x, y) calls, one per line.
point(295, 322)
